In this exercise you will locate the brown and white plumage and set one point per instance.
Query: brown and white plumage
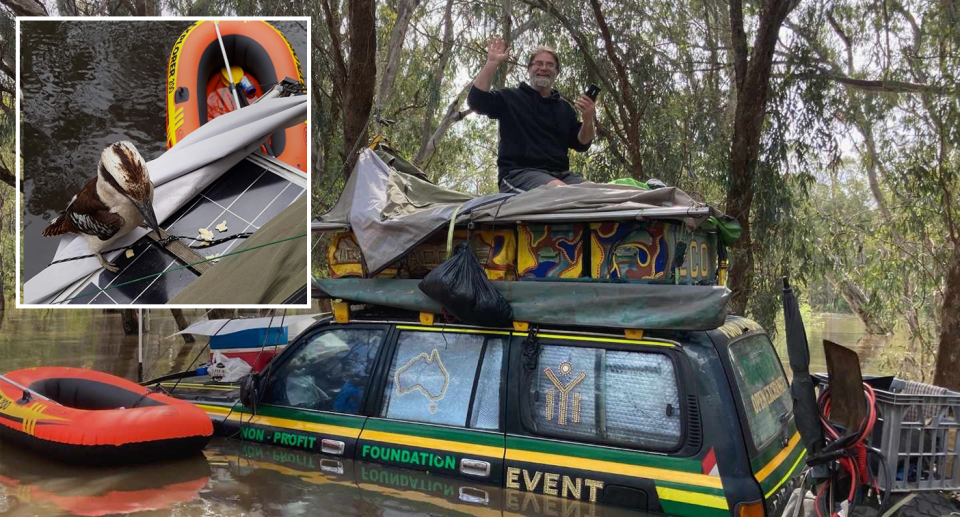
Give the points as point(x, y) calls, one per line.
point(112, 204)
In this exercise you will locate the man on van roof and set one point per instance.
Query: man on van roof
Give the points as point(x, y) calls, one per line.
point(537, 127)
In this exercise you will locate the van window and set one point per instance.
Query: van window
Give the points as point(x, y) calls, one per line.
point(432, 379)
point(605, 396)
point(763, 387)
point(329, 373)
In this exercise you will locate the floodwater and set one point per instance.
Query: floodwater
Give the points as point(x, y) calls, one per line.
point(93, 339)
point(236, 478)
point(848, 331)
point(85, 85)
point(241, 478)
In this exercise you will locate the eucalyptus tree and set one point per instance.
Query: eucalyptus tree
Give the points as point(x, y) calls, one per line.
point(7, 95)
point(885, 76)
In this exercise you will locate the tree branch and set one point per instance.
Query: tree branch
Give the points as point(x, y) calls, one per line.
point(26, 7)
point(880, 86)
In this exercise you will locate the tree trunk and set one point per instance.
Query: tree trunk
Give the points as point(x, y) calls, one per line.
point(181, 324)
point(9, 178)
point(147, 8)
point(338, 74)
point(452, 116)
point(361, 69)
point(947, 371)
point(506, 25)
point(3, 298)
point(129, 318)
point(26, 7)
point(436, 84)
point(857, 301)
point(752, 82)
point(395, 49)
point(223, 314)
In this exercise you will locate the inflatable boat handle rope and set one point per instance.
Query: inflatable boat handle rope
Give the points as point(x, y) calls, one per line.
point(181, 267)
point(223, 49)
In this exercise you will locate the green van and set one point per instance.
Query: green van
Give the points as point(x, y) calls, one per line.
point(686, 423)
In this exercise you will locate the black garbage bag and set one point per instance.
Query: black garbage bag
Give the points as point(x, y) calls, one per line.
point(463, 289)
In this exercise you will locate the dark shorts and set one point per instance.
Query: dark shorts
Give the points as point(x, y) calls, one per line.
point(522, 180)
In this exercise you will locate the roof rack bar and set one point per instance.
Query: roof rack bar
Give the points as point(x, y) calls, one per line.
point(639, 214)
point(645, 213)
point(318, 226)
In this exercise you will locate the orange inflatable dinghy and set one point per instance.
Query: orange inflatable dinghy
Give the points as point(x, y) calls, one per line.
point(197, 78)
point(89, 417)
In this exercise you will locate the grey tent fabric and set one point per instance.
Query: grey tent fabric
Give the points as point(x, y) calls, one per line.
point(391, 212)
point(178, 175)
point(267, 275)
point(594, 304)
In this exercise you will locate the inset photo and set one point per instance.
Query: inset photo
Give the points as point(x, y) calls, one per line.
point(163, 162)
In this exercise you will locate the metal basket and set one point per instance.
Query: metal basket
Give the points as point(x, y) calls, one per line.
point(917, 433)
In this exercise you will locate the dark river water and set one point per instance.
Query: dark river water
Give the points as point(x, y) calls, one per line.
point(85, 85)
point(232, 477)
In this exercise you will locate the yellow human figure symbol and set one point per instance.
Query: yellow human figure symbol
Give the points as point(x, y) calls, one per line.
point(564, 389)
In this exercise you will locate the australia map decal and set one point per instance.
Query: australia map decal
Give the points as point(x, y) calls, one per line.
point(426, 374)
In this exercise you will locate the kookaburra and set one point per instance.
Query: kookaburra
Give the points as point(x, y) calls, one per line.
point(112, 204)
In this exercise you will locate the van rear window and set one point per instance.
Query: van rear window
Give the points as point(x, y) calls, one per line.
point(763, 387)
point(605, 396)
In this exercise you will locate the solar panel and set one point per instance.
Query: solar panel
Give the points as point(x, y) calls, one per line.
point(246, 197)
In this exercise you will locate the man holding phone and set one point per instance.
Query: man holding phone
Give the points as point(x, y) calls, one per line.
point(536, 126)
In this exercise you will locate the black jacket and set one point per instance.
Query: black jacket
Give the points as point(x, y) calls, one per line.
point(535, 131)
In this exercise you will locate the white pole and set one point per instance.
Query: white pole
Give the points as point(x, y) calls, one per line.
point(233, 87)
point(24, 388)
point(140, 346)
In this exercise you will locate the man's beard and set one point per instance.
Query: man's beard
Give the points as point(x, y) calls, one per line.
point(541, 83)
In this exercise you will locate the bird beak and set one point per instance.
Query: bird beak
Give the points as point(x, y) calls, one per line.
point(146, 208)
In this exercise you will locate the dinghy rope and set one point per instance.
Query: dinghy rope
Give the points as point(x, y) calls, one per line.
point(181, 267)
point(163, 242)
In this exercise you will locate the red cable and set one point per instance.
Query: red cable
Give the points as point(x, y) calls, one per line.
point(857, 470)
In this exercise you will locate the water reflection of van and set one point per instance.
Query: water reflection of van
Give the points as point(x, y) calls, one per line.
point(357, 488)
point(690, 423)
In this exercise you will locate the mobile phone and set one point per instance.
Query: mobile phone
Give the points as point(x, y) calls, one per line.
point(592, 91)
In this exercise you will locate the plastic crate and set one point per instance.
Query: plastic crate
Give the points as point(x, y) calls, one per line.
point(917, 433)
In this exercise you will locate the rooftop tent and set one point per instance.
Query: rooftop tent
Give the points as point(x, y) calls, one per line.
point(391, 212)
point(178, 175)
point(267, 274)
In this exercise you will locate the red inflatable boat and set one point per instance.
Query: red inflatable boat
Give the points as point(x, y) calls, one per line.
point(260, 57)
point(83, 416)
